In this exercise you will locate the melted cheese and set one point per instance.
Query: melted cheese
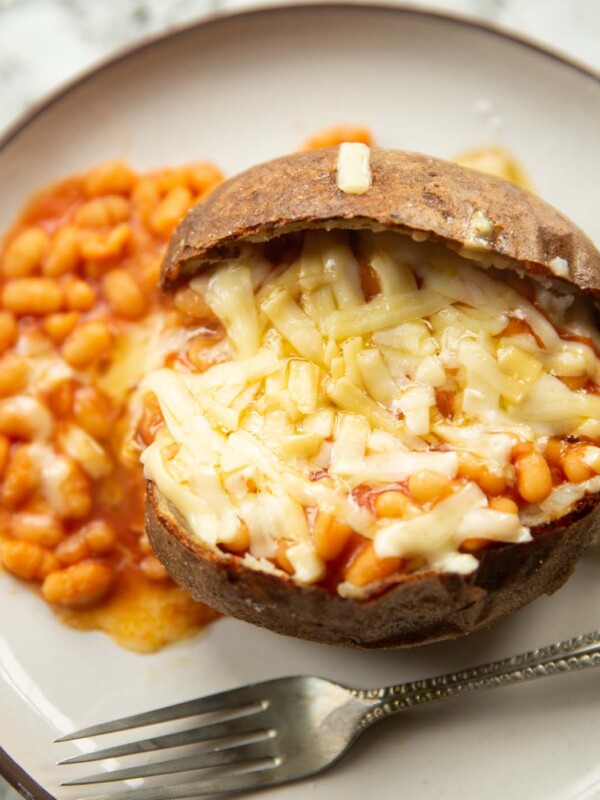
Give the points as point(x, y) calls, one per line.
point(321, 380)
point(438, 534)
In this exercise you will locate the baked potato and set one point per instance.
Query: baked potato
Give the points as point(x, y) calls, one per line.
point(393, 436)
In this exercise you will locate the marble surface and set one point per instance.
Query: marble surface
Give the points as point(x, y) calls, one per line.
point(44, 43)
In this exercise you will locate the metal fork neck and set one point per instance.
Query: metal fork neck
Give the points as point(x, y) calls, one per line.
point(574, 654)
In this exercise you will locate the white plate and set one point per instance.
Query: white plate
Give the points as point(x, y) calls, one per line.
point(246, 88)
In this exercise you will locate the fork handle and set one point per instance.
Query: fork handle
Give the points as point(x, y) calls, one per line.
point(570, 655)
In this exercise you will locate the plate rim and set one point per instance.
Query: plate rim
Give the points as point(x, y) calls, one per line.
point(10, 770)
point(210, 19)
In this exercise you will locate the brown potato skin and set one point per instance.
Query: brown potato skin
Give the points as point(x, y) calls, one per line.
point(428, 198)
point(410, 192)
point(423, 608)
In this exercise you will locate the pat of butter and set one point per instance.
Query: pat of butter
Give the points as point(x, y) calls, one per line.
point(353, 168)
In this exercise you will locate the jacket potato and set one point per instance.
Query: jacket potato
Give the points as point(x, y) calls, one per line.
point(395, 439)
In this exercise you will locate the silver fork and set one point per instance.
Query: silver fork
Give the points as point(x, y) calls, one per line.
point(296, 727)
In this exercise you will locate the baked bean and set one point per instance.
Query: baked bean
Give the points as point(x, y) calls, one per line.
point(64, 254)
point(24, 254)
point(81, 585)
point(123, 294)
point(153, 569)
point(171, 210)
point(79, 295)
point(60, 398)
point(149, 273)
point(87, 344)
point(102, 212)
point(32, 296)
point(112, 177)
point(101, 246)
point(574, 466)
point(24, 417)
point(28, 560)
point(534, 479)
point(521, 448)
point(21, 477)
point(192, 304)
point(368, 568)
point(59, 326)
point(169, 179)
point(504, 504)
point(41, 529)
point(14, 373)
point(241, 541)
point(429, 487)
point(475, 469)
point(145, 198)
point(203, 177)
point(394, 504)
point(338, 134)
point(95, 538)
point(93, 411)
point(330, 536)
point(8, 330)
point(100, 535)
point(73, 549)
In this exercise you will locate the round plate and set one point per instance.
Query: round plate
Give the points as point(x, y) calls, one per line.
point(241, 89)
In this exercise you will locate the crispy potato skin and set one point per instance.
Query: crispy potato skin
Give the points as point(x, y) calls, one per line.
point(413, 194)
point(410, 192)
point(423, 608)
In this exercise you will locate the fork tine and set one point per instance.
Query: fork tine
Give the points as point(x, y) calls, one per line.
point(218, 758)
point(238, 726)
point(266, 776)
point(221, 701)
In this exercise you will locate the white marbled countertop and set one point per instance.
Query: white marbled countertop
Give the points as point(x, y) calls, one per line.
point(44, 43)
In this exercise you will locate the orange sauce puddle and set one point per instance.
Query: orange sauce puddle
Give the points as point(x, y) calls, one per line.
point(143, 615)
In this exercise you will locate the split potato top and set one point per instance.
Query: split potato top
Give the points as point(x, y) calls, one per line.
point(400, 399)
point(487, 218)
